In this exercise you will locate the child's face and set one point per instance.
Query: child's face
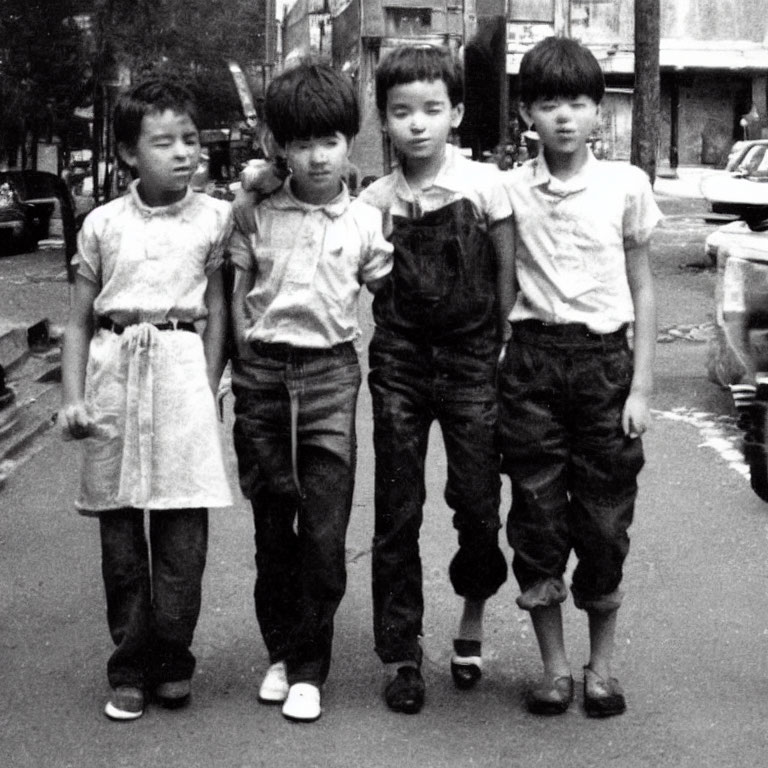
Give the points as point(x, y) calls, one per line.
point(165, 156)
point(317, 166)
point(419, 118)
point(563, 123)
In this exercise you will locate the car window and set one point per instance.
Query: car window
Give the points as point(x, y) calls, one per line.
point(754, 162)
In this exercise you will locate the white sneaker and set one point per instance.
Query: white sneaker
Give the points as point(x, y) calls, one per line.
point(303, 703)
point(274, 686)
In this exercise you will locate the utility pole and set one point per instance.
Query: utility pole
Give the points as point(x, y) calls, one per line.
point(645, 102)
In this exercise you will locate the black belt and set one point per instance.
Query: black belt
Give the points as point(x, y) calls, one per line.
point(566, 332)
point(285, 352)
point(170, 325)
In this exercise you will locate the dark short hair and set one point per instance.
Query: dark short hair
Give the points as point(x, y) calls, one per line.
point(409, 63)
point(560, 67)
point(309, 100)
point(151, 96)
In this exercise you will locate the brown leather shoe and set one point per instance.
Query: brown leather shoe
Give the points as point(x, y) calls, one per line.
point(602, 698)
point(551, 697)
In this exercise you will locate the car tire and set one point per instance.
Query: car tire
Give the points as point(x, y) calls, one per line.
point(756, 451)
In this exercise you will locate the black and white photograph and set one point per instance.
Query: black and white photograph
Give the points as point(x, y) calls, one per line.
point(383, 383)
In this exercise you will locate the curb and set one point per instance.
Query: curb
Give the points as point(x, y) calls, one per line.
point(33, 376)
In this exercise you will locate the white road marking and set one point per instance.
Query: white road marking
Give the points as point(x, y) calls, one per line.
point(718, 433)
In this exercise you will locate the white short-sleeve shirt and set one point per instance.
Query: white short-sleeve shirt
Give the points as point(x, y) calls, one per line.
point(572, 239)
point(152, 263)
point(310, 262)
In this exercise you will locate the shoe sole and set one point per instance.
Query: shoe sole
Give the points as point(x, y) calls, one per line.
point(177, 702)
point(295, 719)
point(601, 713)
point(120, 715)
point(536, 708)
point(271, 702)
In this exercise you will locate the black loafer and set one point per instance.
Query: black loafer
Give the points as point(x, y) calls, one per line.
point(405, 692)
point(551, 697)
point(173, 695)
point(602, 698)
point(466, 664)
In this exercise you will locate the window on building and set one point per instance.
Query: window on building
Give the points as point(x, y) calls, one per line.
point(542, 11)
point(407, 22)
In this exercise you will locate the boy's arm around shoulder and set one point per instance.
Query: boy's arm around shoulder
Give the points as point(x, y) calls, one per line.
point(503, 237)
point(215, 333)
point(501, 228)
point(375, 263)
point(244, 267)
point(216, 325)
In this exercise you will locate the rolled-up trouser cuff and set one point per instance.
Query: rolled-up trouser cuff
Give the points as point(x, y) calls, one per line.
point(477, 572)
point(402, 654)
point(602, 604)
point(543, 594)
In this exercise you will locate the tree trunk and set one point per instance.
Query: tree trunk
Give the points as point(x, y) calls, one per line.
point(645, 102)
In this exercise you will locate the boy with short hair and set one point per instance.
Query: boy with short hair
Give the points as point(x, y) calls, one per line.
point(138, 384)
point(300, 257)
point(439, 328)
point(573, 397)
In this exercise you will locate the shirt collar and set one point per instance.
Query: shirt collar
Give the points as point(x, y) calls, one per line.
point(286, 200)
point(541, 175)
point(148, 211)
point(447, 177)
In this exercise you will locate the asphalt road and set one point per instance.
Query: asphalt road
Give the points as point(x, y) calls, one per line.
point(692, 636)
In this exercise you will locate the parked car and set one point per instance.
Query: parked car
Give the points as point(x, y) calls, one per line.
point(746, 241)
point(41, 193)
point(18, 225)
point(738, 353)
point(743, 184)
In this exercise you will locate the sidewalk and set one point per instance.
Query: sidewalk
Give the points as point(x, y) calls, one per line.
point(33, 295)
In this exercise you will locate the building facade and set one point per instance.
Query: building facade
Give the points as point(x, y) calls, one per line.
point(713, 57)
point(713, 64)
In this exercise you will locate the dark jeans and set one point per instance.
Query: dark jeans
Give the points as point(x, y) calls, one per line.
point(152, 608)
point(411, 386)
point(296, 448)
point(573, 470)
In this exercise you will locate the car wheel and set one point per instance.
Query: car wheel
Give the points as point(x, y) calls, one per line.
point(755, 452)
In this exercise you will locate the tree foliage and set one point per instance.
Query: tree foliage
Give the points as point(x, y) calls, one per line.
point(190, 39)
point(56, 55)
point(43, 70)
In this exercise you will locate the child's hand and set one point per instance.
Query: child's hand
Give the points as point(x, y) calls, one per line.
point(636, 417)
point(263, 178)
point(75, 421)
point(224, 389)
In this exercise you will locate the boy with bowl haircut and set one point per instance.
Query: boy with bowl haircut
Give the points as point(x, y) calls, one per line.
point(301, 256)
point(138, 383)
point(573, 397)
point(440, 323)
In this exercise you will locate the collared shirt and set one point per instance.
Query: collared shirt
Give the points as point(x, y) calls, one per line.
point(309, 262)
point(457, 179)
point(572, 239)
point(444, 278)
point(152, 263)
